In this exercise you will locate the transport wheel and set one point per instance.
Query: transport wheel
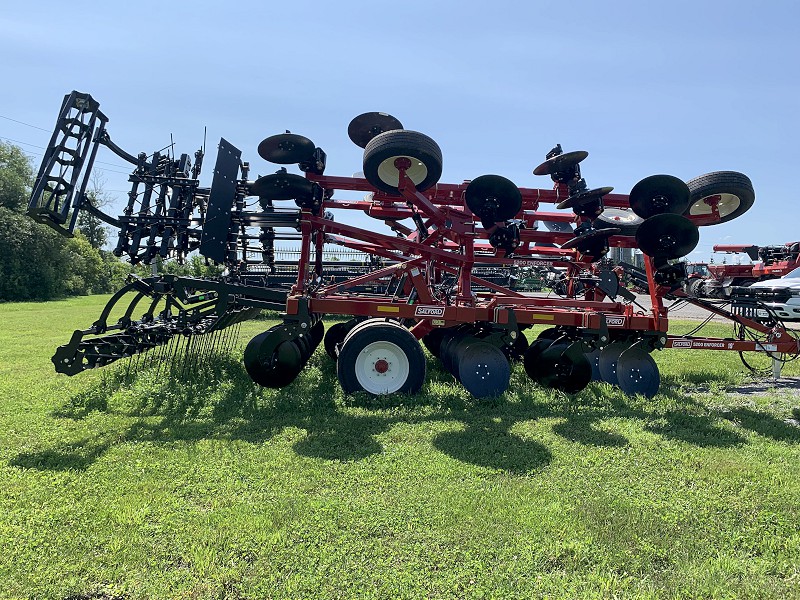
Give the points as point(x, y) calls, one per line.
point(380, 357)
point(624, 219)
point(696, 288)
point(272, 359)
point(733, 192)
point(382, 151)
point(637, 372)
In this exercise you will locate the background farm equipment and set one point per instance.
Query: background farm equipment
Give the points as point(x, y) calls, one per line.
point(718, 280)
point(443, 271)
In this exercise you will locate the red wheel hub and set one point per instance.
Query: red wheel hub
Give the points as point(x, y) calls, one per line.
point(381, 366)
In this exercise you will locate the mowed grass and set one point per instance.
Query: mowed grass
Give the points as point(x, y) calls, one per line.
point(124, 482)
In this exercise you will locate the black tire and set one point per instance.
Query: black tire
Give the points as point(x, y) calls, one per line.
point(384, 148)
point(695, 288)
point(624, 219)
point(735, 188)
point(387, 345)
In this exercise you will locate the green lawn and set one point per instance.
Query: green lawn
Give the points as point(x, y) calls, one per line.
point(123, 483)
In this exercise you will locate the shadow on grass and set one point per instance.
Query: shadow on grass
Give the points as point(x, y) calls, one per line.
point(765, 425)
point(216, 399)
point(488, 442)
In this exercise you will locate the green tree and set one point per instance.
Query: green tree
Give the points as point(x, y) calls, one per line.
point(16, 175)
point(92, 229)
point(36, 263)
point(89, 225)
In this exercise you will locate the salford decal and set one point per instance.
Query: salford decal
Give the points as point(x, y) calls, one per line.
point(429, 311)
point(615, 321)
point(682, 344)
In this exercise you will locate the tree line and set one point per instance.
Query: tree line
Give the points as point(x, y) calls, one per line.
point(37, 263)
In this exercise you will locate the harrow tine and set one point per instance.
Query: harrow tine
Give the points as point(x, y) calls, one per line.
point(181, 341)
point(187, 350)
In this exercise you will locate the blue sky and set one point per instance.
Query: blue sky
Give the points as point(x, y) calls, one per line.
point(676, 87)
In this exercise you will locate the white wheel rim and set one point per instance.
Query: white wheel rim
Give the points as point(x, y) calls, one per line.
point(389, 174)
point(621, 215)
point(382, 368)
point(727, 204)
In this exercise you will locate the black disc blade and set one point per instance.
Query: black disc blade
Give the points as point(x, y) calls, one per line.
point(493, 198)
point(562, 162)
point(586, 197)
point(282, 186)
point(433, 340)
point(667, 236)
point(366, 126)
point(484, 370)
point(609, 356)
point(659, 194)
point(638, 372)
point(516, 351)
point(334, 338)
point(533, 354)
point(286, 148)
point(595, 234)
point(594, 362)
point(563, 367)
point(271, 360)
point(558, 226)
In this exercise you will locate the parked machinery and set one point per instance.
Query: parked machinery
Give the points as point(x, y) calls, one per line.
point(434, 234)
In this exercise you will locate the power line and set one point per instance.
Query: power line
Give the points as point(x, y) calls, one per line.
point(23, 123)
point(100, 162)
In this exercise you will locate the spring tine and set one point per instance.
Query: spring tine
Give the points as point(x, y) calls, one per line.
point(194, 352)
point(215, 346)
point(204, 354)
point(173, 368)
point(165, 351)
point(198, 355)
point(187, 348)
point(209, 350)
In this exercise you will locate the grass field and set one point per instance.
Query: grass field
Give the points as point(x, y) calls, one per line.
point(120, 483)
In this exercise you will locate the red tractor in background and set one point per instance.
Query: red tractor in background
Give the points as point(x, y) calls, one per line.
point(717, 280)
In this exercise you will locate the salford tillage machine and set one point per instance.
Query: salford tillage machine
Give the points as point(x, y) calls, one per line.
point(428, 243)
